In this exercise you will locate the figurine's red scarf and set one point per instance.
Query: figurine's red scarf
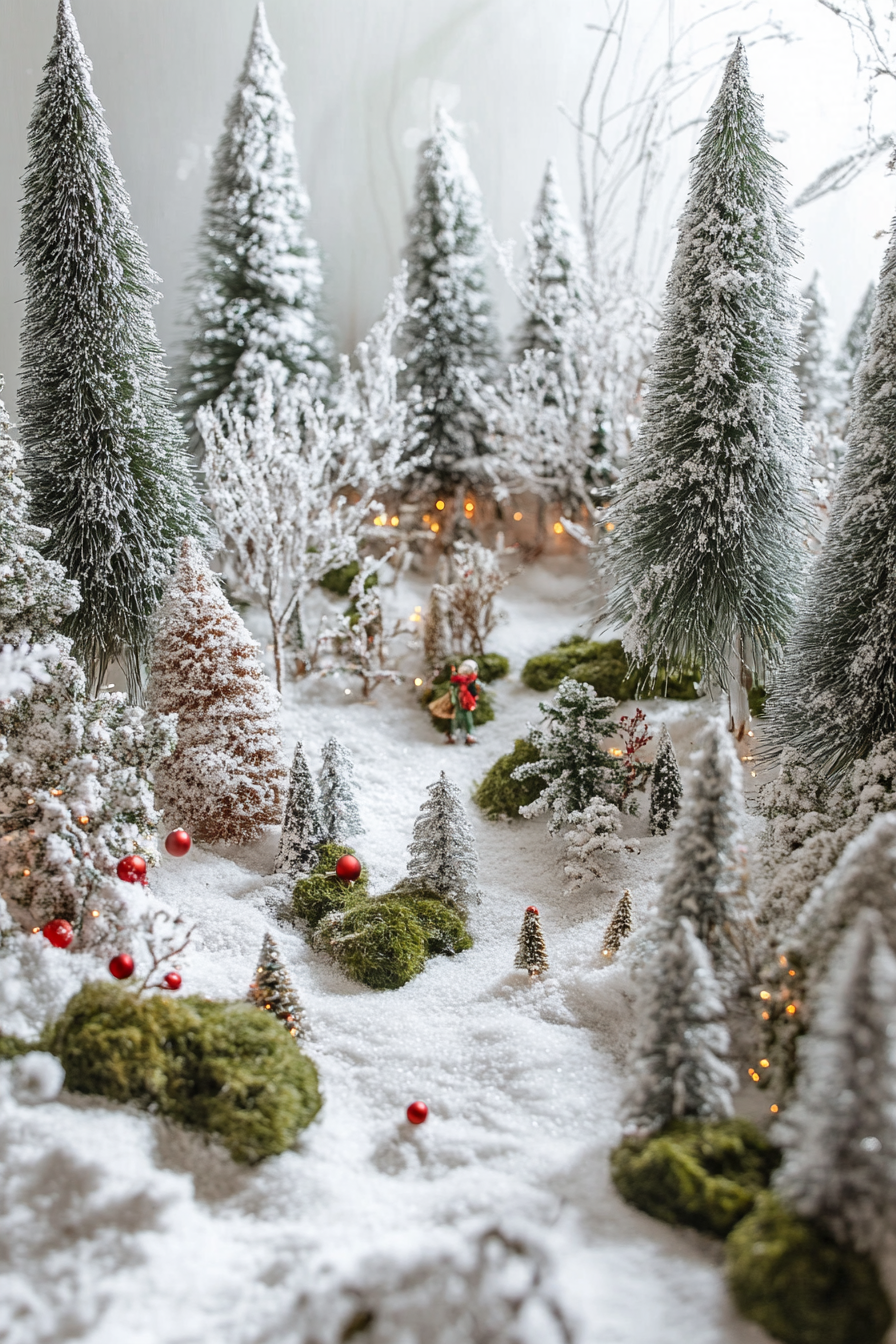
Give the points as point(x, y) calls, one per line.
point(465, 695)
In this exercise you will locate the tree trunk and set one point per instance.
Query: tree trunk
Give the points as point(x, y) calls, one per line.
point(739, 684)
point(277, 635)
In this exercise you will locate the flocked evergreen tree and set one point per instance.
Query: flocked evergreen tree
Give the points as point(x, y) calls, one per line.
point(225, 779)
point(856, 338)
point(814, 366)
point(836, 695)
point(443, 855)
point(272, 990)
point(531, 952)
point(594, 831)
point(710, 523)
point(665, 786)
point(450, 335)
point(679, 1060)
point(552, 271)
point(106, 457)
point(619, 927)
point(301, 831)
point(257, 293)
point(839, 1134)
point(338, 813)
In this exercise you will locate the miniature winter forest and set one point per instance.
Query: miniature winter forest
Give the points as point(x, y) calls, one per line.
point(448, 785)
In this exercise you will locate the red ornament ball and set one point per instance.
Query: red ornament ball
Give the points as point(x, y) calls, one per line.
point(122, 966)
point(132, 868)
point(531, 909)
point(348, 868)
point(178, 843)
point(172, 980)
point(59, 932)
point(417, 1112)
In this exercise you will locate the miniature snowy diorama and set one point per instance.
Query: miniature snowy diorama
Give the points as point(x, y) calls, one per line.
point(311, 1028)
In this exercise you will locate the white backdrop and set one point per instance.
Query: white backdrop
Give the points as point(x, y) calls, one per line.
point(362, 76)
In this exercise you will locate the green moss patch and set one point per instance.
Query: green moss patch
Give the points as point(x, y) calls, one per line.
point(10, 1046)
point(702, 1174)
point(224, 1068)
point(796, 1282)
point(605, 667)
point(499, 795)
point(317, 895)
point(341, 579)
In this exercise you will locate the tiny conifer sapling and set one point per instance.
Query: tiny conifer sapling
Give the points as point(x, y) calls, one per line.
point(301, 821)
point(443, 855)
point(338, 814)
point(665, 794)
point(532, 952)
point(620, 925)
point(272, 990)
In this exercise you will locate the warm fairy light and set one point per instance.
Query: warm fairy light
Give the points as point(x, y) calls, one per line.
point(83, 820)
point(427, 517)
point(763, 1064)
point(433, 527)
point(30, 802)
point(95, 913)
point(418, 608)
point(754, 1075)
point(615, 751)
point(26, 872)
point(440, 503)
point(415, 616)
point(347, 691)
point(764, 994)
point(765, 1017)
point(750, 733)
point(773, 1109)
point(605, 953)
point(610, 527)
point(558, 528)
point(753, 773)
point(418, 681)
point(55, 793)
point(791, 1008)
point(517, 517)
point(36, 929)
point(791, 972)
point(782, 961)
point(395, 520)
point(469, 506)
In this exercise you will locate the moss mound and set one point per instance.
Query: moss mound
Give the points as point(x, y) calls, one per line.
point(791, 1278)
point(224, 1068)
point(500, 796)
point(340, 580)
point(605, 667)
point(381, 943)
point(10, 1046)
point(317, 895)
point(443, 928)
point(703, 1174)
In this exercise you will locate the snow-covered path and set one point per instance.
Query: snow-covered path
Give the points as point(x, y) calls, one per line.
point(117, 1227)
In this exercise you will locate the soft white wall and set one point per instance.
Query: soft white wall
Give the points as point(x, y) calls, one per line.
point(362, 75)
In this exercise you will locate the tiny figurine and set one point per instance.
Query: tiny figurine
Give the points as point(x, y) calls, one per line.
point(464, 691)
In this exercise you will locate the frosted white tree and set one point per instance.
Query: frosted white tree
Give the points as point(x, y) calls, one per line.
point(257, 294)
point(23, 666)
point(553, 276)
point(822, 394)
point(679, 1062)
point(358, 637)
point(839, 1134)
point(293, 487)
point(302, 829)
point(595, 831)
point(443, 854)
point(337, 808)
point(476, 580)
point(711, 520)
point(665, 786)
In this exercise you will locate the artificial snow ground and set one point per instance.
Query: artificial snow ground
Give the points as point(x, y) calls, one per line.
point(115, 1226)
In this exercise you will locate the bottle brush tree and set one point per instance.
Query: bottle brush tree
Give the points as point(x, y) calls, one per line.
point(225, 779)
point(301, 833)
point(855, 340)
point(619, 927)
point(272, 989)
point(594, 831)
point(257, 291)
point(107, 463)
point(665, 792)
point(337, 809)
point(710, 521)
point(531, 952)
point(443, 854)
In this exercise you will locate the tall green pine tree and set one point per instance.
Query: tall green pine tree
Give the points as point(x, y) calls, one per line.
point(552, 277)
point(710, 520)
point(854, 341)
point(106, 458)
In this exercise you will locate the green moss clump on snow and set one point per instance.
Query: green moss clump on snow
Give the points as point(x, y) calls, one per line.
point(224, 1068)
point(381, 943)
point(700, 1173)
point(317, 895)
point(498, 795)
point(443, 928)
point(605, 667)
point(791, 1278)
point(10, 1046)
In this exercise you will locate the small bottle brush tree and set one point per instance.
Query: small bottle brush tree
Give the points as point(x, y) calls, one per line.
point(575, 767)
point(301, 833)
point(836, 696)
point(272, 989)
point(338, 813)
point(710, 521)
point(665, 792)
point(257, 290)
point(443, 856)
point(839, 1134)
point(107, 462)
point(450, 336)
point(531, 953)
point(680, 1067)
point(595, 831)
point(225, 780)
point(619, 927)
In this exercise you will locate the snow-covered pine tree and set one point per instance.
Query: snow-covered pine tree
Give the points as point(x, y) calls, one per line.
point(443, 855)
point(836, 694)
point(531, 952)
point(620, 925)
point(679, 1057)
point(450, 335)
point(301, 833)
point(272, 990)
point(571, 761)
point(839, 1134)
point(856, 338)
point(337, 809)
point(106, 458)
point(594, 831)
point(665, 786)
point(553, 278)
point(225, 780)
point(814, 367)
point(257, 291)
point(710, 525)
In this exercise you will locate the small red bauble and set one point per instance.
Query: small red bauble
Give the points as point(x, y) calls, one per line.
point(131, 868)
point(417, 1112)
point(348, 868)
point(173, 980)
point(122, 966)
point(531, 909)
point(178, 843)
point(59, 932)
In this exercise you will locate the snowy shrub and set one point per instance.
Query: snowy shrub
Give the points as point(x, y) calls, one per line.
point(791, 1277)
point(500, 794)
point(223, 1068)
point(594, 831)
point(358, 637)
point(701, 1174)
point(476, 580)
